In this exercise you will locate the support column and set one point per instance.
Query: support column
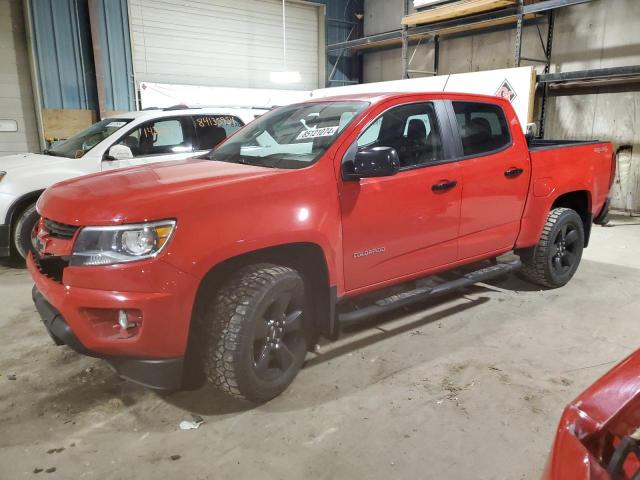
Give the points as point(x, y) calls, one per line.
point(518, 47)
point(405, 44)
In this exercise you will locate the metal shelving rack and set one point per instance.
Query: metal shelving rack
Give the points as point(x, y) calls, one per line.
point(516, 16)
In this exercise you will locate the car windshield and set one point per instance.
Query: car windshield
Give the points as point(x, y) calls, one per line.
point(78, 145)
point(290, 137)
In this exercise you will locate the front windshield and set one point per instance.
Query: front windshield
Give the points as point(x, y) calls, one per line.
point(289, 137)
point(81, 143)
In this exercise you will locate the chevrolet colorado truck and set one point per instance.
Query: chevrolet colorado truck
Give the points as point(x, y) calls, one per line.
point(313, 215)
point(129, 138)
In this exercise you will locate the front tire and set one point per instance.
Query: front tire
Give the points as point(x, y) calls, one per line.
point(555, 259)
point(254, 332)
point(26, 221)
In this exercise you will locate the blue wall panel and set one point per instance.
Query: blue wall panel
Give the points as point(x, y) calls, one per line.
point(115, 54)
point(62, 43)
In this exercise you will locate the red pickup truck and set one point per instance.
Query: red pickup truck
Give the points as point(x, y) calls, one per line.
point(244, 258)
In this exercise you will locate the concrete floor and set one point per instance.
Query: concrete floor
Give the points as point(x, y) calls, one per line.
point(469, 387)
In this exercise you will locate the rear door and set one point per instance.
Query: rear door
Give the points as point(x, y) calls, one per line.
point(405, 224)
point(496, 171)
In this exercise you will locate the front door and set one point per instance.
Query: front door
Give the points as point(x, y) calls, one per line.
point(405, 224)
point(159, 140)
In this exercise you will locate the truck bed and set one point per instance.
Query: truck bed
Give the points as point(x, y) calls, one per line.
point(538, 144)
point(565, 166)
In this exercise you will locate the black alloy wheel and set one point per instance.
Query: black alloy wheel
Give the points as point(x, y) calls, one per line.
point(566, 248)
point(253, 332)
point(277, 335)
point(556, 257)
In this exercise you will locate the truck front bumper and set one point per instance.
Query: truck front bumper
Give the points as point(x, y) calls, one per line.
point(161, 374)
point(151, 350)
point(5, 240)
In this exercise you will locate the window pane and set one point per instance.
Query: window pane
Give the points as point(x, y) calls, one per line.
point(157, 138)
point(213, 129)
point(412, 130)
point(370, 135)
point(168, 132)
point(294, 136)
point(483, 127)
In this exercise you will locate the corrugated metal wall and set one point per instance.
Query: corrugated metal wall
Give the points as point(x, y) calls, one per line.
point(62, 44)
point(112, 22)
point(227, 43)
point(64, 54)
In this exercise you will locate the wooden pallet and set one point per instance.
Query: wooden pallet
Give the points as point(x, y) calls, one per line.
point(449, 11)
point(447, 31)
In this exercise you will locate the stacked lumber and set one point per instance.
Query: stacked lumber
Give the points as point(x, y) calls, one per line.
point(459, 9)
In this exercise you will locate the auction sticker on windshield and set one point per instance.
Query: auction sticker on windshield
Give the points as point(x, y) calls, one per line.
point(115, 124)
point(317, 132)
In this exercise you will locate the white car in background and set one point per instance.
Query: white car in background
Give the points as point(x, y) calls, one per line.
point(124, 140)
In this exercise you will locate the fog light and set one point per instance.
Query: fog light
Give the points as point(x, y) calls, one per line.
point(123, 320)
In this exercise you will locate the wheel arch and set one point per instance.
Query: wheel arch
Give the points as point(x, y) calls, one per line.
point(306, 258)
point(20, 204)
point(580, 202)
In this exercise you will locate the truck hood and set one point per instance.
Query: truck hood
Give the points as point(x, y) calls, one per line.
point(29, 161)
point(149, 192)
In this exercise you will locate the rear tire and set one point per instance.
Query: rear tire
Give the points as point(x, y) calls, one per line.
point(253, 332)
point(555, 259)
point(24, 225)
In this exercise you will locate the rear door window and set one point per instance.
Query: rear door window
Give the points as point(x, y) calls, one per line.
point(213, 129)
point(483, 127)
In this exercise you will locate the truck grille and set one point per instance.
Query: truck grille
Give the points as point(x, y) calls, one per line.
point(59, 230)
point(51, 266)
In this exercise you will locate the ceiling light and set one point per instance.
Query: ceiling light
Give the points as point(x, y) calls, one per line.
point(285, 77)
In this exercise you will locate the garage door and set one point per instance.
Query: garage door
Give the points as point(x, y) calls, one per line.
point(228, 43)
point(18, 128)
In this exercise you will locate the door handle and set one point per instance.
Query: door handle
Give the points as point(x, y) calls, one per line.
point(513, 172)
point(444, 185)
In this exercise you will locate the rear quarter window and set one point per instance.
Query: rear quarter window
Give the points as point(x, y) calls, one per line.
point(483, 127)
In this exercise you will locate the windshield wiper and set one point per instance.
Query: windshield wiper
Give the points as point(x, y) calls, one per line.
point(241, 159)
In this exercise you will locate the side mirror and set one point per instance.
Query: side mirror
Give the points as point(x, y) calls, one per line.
point(119, 152)
point(370, 162)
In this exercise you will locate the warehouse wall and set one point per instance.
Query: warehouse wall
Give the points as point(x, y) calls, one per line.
point(594, 35)
point(16, 97)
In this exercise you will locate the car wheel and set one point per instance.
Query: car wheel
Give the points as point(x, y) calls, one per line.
point(555, 259)
point(254, 332)
point(24, 225)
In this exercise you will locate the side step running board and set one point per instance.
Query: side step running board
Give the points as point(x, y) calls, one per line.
point(405, 299)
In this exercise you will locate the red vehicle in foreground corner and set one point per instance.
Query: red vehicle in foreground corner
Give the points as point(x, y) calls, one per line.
point(300, 222)
point(597, 438)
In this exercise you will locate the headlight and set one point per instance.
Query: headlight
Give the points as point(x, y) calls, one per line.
point(122, 243)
